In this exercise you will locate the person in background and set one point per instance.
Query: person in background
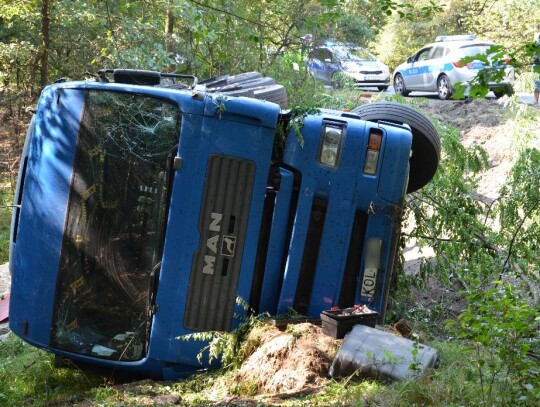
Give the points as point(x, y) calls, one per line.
point(536, 67)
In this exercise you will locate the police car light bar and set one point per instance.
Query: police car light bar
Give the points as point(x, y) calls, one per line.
point(465, 37)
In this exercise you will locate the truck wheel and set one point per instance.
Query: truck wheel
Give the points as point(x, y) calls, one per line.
point(215, 81)
point(257, 83)
point(226, 80)
point(426, 144)
point(243, 77)
point(273, 93)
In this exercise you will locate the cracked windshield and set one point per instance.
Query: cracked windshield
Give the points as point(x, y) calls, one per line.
point(115, 226)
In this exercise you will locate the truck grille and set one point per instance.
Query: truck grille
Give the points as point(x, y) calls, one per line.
point(222, 227)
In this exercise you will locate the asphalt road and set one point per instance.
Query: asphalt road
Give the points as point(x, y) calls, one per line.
point(523, 97)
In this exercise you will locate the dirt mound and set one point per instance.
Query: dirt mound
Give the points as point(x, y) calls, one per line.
point(466, 114)
point(486, 123)
point(288, 361)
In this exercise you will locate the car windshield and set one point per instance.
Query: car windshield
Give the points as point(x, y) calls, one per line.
point(354, 54)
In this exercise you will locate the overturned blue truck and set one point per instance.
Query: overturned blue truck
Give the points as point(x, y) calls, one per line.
point(146, 207)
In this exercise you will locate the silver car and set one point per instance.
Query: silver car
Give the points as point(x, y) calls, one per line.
point(353, 61)
point(437, 67)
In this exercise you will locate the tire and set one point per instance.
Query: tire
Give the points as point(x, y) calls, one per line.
point(239, 92)
point(257, 83)
point(243, 77)
point(274, 93)
point(215, 81)
point(382, 88)
point(426, 144)
point(444, 87)
point(399, 85)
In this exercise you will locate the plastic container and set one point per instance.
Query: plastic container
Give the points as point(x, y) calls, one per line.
point(337, 323)
point(374, 353)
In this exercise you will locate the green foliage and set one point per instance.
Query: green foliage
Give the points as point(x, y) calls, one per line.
point(229, 348)
point(501, 318)
point(501, 327)
point(447, 216)
point(340, 80)
point(290, 71)
point(5, 221)
point(494, 65)
point(409, 11)
point(220, 105)
point(28, 377)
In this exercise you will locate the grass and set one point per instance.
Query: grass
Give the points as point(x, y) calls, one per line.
point(5, 221)
point(28, 377)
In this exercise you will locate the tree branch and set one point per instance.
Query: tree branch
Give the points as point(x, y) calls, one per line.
point(219, 10)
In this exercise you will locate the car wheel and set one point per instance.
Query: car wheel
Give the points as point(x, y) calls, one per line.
point(426, 144)
point(444, 87)
point(399, 85)
point(382, 88)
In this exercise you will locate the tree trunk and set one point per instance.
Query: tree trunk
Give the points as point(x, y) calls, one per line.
point(169, 29)
point(45, 42)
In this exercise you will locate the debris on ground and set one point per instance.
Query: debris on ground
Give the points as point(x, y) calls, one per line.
point(290, 361)
point(374, 353)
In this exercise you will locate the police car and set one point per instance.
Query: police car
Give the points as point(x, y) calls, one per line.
point(437, 67)
point(327, 62)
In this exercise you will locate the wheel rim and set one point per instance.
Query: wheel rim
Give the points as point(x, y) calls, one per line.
point(443, 88)
point(398, 84)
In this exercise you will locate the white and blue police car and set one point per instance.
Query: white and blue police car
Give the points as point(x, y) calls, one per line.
point(437, 67)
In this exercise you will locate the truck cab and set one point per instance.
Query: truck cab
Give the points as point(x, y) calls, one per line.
point(146, 213)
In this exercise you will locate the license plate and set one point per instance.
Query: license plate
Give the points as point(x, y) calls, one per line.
point(371, 78)
point(369, 282)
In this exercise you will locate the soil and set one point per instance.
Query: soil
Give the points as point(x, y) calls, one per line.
point(297, 360)
point(484, 123)
point(289, 361)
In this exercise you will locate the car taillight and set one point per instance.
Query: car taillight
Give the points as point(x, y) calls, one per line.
point(459, 64)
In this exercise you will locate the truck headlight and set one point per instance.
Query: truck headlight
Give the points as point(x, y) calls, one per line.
point(330, 147)
point(373, 152)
